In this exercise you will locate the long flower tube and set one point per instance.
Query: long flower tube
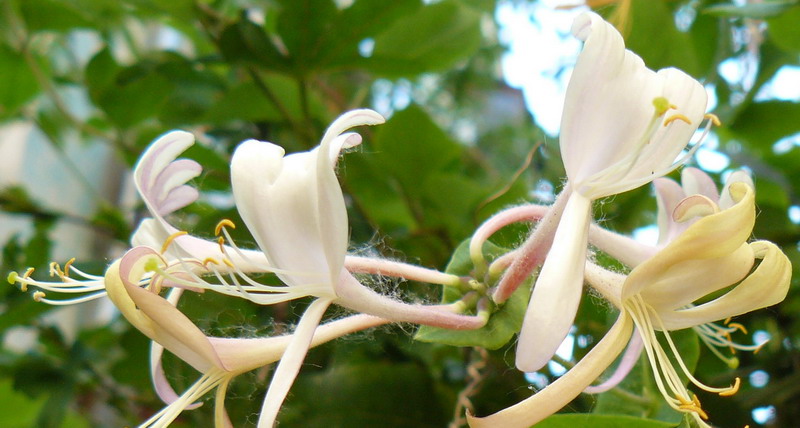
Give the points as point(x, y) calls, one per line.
point(218, 359)
point(623, 125)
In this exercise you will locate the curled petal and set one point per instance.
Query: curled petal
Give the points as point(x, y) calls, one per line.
point(557, 293)
point(697, 182)
point(709, 237)
point(160, 179)
point(629, 359)
point(765, 286)
point(668, 196)
point(153, 315)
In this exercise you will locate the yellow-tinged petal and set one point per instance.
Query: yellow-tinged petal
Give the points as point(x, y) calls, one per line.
point(766, 286)
point(559, 393)
point(685, 282)
point(155, 316)
point(713, 236)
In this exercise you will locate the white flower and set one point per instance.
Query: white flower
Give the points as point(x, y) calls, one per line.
point(623, 125)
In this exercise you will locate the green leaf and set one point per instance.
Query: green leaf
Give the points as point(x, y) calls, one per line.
point(572, 420)
point(314, 17)
point(504, 322)
point(762, 124)
point(759, 10)
point(655, 37)
point(412, 148)
point(385, 395)
point(434, 38)
point(24, 408)
point(56, 15)
point(784, 30)
point(247, 43)
point(19, 84)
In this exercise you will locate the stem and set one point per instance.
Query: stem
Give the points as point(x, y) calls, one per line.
point(533, 250)
point(358, 264)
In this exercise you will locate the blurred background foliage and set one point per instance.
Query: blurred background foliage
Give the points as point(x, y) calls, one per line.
point(95, 81)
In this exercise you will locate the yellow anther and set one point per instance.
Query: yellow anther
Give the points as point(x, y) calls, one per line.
point(171, 238)
point(221, 242)
point(37, 296)
point(208, 260)
point(733, 389)
point(696, 401)
point(738, 326)
point(713, 118)
point(683, 401)
point(67, 265)
point(761, 345)
point(228, 262)
point(673, 107)
point(27, 273)
point(675, 117)
point(222, 223)
point(727, 320)
point(55, 269)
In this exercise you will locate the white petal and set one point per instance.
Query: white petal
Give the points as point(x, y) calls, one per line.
point(557, 293)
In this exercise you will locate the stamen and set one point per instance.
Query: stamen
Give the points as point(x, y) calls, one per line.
point(713, 118)
point(28, 273)
point(733, 389)
point(171, 238)
point(38, 295)
point(221, 242)
point(228, 263)
point(208, 260)
point(223, 223)
point(737, 326)
point(67, 265)
point(675, 117)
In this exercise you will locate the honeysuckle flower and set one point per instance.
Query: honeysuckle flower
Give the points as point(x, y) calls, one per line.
point(218, 359)
point(295, 210)
point(623, 125)
point(668, 291)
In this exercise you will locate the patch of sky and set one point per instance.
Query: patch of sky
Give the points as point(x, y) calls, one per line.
point(538, 380)
point(761, 336)
point(763, 415)
point(794, 214)
point(366, 46)
point(565, 352)
point(783, 86)
point(646, 235)
point(759, 379)
point(541, 53)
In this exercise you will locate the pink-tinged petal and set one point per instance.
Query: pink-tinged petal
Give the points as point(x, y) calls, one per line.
point(161, 384)
point(629, 359)
point(355, 296)
point(668, 195)
point(559, 393)
point(557, 293)
point(767, 285)
point(290, 363)
point(158, 173)
point(740, 176)
point(697, 182)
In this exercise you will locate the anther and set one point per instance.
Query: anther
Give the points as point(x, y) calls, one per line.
point(221, 242)
point(67, 266)
point(733, 389)
point(675, 117)
point(223, 223)
point(27, 273)
point(228, 263)
point(727, 320)
point(738, 326)
point(760, 345)
point(171, 238)
point(713, 118)
point(38, 295)
point(208, 260)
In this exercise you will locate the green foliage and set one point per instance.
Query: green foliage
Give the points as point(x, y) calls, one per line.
point(92, 73)
point(505, 321)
